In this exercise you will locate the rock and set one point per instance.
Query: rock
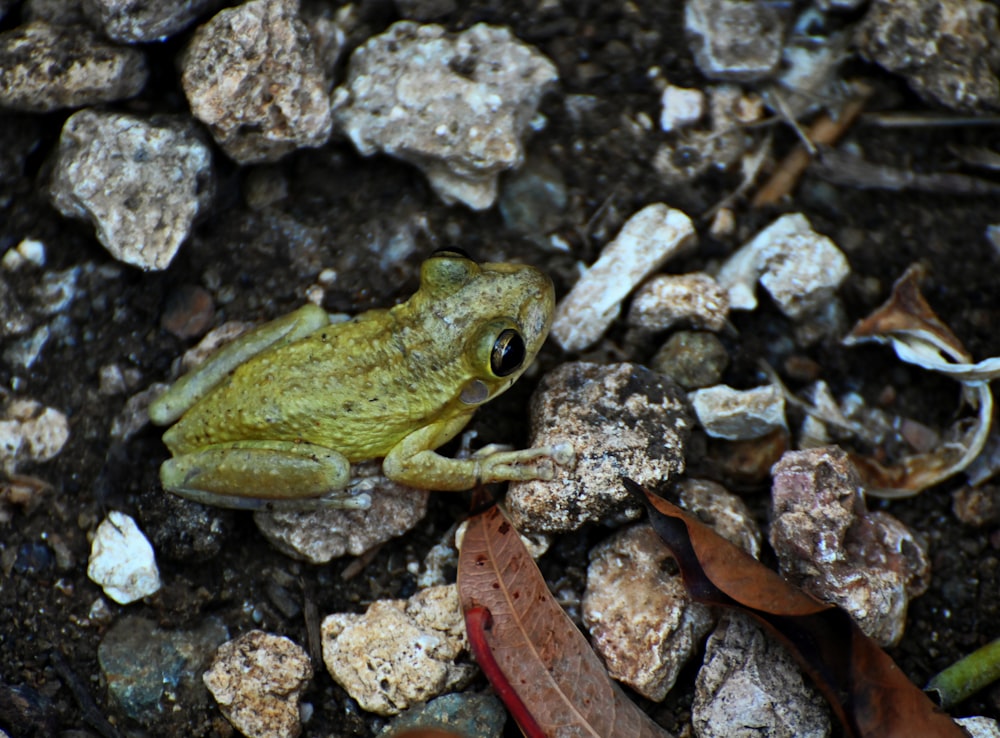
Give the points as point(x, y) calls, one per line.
point(148, 668)
point(749, 686)
point(826, 542)
point(46, 67)
point(645, 243)
point(30, 432)
point(189, 311)
point(252, 75)
point(948, 50)
point(980, 727)
point(257, 680)
point(642, 621)
point(693, 359)
point(464, 713)
point(977, 506)
point(400, 652)
point(716, 506)
point(533, 198)
point(737, 40)
point(739, 415)
point(140, 181)
point(122, 562)
point(680, 107)
point(317, 536)
point(800, 268)
point(28, 252)
point(623, 420)
point(453, 105)
point(138, 21)
point(182, 530)
point(666, 300)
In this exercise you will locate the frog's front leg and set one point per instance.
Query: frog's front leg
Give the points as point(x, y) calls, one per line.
point(194, 385)
point(254, 475)
point(414, 462)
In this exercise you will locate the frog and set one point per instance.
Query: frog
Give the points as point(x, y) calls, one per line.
point(278, 418)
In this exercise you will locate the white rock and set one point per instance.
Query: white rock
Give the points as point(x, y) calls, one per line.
point(680, 107)
point(454, 105)
point(800, 268)
point(739, 415)
point(30, 432)
point(641, 619)
point(29, 251)
point(733, 39)
point(399, 652)
point(695, 300)
point(317, 536)
point(257, 681)
point(980, 727)
point(141, 182)
point(645, 243)
point(749, 686)
point(122, 560)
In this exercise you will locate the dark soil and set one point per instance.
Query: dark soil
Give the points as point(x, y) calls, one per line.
point(341, 213)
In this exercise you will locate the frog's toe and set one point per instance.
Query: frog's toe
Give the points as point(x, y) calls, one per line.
point(563, 454)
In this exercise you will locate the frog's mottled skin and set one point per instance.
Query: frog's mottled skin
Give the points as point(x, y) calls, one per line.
point(283, 412)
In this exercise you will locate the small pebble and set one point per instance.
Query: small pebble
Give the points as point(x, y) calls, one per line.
point(739, 415)
point(458, 103)
point(977, 506)
point(695, 300)
point(318, 536)
point(645, 243)
point(122, 562)
point(257, 681)
point(30, 433)
point(252, 76)
point(28, 251)
point(749, 685)
point(829, 544)
point(623, 420)
point(463, 714)
point(189, 312)
point(399, 652)
point(680, 107)
point(735, 40)
point(533, 198)
point(800, 268)
point(46, 67)
point(142, 182)
point(641, 619)
point(980, 727)
point(719, 508)
point(693, 359)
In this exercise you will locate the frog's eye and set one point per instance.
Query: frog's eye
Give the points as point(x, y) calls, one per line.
point(508, 353)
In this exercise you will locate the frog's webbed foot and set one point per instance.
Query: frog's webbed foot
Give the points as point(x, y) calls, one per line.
point(539, 462)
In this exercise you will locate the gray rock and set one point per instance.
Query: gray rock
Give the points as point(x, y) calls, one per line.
point(693, 359)
point(666, 300)
point(45, 67)
point(139, 21)
point(453, 105)
point(140, 181)
point(749, 687)
point(738, 40)
point(739, 415)
point(948, 50)
point(623, 420)
point(140, 661)
point(463, 713)
point(252, 75)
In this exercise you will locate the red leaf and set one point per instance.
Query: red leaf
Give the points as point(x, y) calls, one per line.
point(530, 649)
point(867, 691)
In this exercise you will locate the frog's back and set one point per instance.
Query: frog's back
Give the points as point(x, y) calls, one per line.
point(358, 387)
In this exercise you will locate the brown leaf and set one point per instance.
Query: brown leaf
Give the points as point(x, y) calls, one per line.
point(540, 654)
point(866, 690)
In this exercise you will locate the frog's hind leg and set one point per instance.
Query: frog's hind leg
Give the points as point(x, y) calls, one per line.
point(255, 475)
point(194, 385)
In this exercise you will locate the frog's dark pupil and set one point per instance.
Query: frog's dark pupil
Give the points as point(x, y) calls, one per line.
point(508, 353)
point(451, 253)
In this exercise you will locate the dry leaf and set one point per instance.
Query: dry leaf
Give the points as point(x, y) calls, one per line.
point(536, 653)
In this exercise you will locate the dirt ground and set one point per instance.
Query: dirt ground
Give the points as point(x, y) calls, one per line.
point(343, 212)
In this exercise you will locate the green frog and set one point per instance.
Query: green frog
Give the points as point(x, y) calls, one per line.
point(275, 419)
